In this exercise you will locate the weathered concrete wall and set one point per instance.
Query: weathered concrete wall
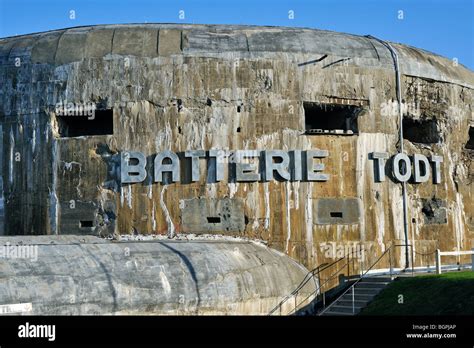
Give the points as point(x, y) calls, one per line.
point(88, 275)
point(185, 87)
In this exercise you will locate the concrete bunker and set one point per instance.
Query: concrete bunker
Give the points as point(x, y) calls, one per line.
point(142, 69)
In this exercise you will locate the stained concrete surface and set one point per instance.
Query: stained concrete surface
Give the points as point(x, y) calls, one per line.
point(186, 87)
point(90, 275)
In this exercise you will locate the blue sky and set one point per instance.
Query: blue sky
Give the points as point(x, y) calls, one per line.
point(445, 27)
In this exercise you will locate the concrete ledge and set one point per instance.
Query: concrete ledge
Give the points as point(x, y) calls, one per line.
point(88, 275)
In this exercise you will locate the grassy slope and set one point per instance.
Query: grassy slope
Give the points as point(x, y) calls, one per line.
point(445, 294)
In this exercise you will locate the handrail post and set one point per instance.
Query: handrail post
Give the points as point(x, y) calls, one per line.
point(390, 261)
point(320, 287)
point(296, 304)
point(319, 281)
point(472, 260)
point(353, 265)
point(438, 261)
point(353, 304)
point(348, 264)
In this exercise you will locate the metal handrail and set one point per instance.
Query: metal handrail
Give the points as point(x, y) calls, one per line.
point(322, 285)
point(306, 279)
point(365, 273)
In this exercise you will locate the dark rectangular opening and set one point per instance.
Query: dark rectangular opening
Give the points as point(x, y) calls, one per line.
point(213, 219)
point(331, 118)
point(424, 131)
point(470, 141)
point(101, 122)
point(434, 211)
point(336, 214)
point(86, 223)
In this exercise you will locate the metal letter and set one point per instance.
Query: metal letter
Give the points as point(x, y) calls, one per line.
point(437, 168)
point(219, 155)
point(297, 168)
point(417, 177)
point(281, 168)
point(401, 157)
point(195, 155)
point(311, 168)
point(132, 173)
point(379, 168)
point(246, 171)
point(161, 168)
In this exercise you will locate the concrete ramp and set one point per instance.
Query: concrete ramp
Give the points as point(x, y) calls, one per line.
point(71, 275)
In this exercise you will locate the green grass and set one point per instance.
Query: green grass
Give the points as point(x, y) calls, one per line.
point(445, 294)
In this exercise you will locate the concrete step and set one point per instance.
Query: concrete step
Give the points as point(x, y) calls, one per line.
point(348, 302)
point(377, 279)
point(344, 309)
point(335, 313)
point(358, 297)
point(366, 291)
point(371, 285)
point(363, 295)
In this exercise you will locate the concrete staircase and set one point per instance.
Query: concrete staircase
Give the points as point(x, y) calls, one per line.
point(364, 292)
